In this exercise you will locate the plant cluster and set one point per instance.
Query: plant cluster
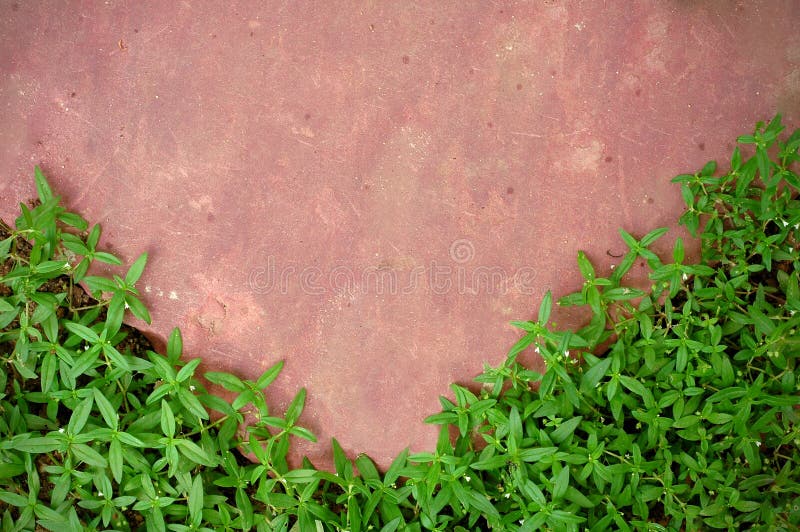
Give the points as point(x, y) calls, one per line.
point(674, 408)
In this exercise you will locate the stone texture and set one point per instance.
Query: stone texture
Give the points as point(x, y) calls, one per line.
point(372, 190)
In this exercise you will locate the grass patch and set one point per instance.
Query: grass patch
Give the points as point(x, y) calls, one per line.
point(686, 419)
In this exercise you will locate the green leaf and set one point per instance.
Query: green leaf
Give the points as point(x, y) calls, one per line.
point(442, 418)
point(230, 382)
point(594, 374)
point(521, 345)
point(561, 483)
point(545, 308)
point(248, 396)
point(50, 516)
point(42, 186)
point(678, 253)
point(633, 385)
point(174, 346)
point(83, 331)
point(74, 220)
point(115, 459)
point(13, 499)
point(534, 523)
point(366, 468)
point(623, 294)
point(586, 268)
point(188, 370)
point(129, 439)
point(136, 269)
point(191, 403)
point(5, 306)
point(565, 430)
point(629, 240)
point(301, 476)
point(686, 422)
point(115, 314)
point(196, 500)
point(80, 415)
point(74, 244)
point(10, 470)
point(354, 515)
point(392, 525)
point(108, 258)
point(494, 462)
point(269, 375)
point(195, 453)
point(137, 308)
point(295, 408)
point(395, 468)
point(100, 284)
point(483, 505)
point(48, 371)
point(116, 357)
point(719, 418)
point(514, 428)
point(37, 445)
point(344, 468)
point(648, 239)
point(537, 454)
point(88, 455)
point(763, 324)
point(108, 412)
point(167, 419)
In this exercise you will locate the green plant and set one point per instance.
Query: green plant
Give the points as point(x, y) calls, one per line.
point(674, 408)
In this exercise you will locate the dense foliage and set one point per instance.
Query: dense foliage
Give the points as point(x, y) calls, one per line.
point(673, 409)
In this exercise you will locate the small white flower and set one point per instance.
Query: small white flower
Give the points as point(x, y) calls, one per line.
point(566, 353)
point(785, 223)
point(536, 350)
point(191, 388)
point(507, 495)
point(613, 266)
point(61, 430)
point(758, 444)
point(684, 277)
point(99, 493)
point(127, 306)
point(467, 478)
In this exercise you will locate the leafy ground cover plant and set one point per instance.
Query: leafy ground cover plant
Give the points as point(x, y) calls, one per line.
point(674, 408)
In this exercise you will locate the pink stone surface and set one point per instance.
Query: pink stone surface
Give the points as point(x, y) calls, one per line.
point(463, 150)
